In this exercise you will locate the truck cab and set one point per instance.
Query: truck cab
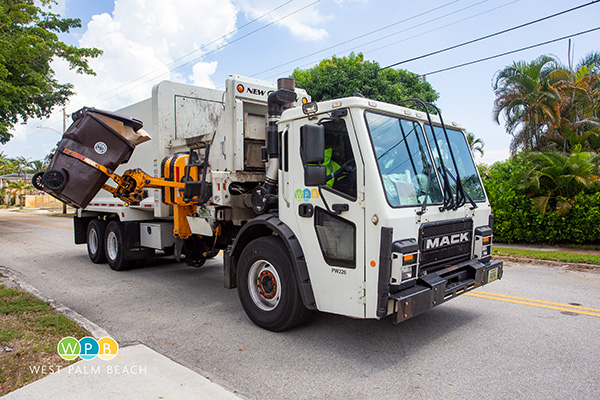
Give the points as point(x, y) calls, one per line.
point(390, 215)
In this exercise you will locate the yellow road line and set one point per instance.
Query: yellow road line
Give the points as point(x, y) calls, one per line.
point(36, 223)
point(563, 308)
point(538, 301)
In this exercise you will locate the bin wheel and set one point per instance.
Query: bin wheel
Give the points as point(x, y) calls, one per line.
point(96, 233)
point(115, 247)
point(55, 179)
point(38, 181)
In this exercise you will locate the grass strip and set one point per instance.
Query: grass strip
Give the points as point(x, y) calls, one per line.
point(591, 259)
point(29, 333)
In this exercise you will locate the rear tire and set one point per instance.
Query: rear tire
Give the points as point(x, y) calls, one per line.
point(115, 248)
point(96, 233)
point(267, 285)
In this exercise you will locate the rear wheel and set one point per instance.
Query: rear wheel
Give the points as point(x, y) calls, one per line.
point(115, 247)
point(96, 232)
point(267, 285)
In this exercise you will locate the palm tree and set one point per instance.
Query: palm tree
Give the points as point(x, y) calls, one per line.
point(580, 106)
point(37, 166)
point(7, 164)
point(475, 144)
point(555, 178)
point(592, 61)
point(18, 189)
point(23, 164)
point(529, 103)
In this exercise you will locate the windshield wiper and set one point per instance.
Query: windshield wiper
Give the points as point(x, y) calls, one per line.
point(449, 201)
point(424, 205)
point(460, 189)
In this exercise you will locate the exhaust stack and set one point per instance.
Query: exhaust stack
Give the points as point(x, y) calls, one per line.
point(278, 101)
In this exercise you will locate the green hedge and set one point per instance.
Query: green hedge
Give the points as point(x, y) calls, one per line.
point(517, 220)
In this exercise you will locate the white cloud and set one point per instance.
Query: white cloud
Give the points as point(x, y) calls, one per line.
point(143, 38)
point(301, 24)
point(201, 73)
point(490, 156)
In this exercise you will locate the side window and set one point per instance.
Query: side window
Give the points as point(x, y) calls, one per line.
point(337, 239)
point(339, 158)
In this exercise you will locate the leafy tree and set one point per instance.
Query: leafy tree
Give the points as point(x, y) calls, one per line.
point(28, 44)
point(529, 103)
point(346, 76)
point(7, 165)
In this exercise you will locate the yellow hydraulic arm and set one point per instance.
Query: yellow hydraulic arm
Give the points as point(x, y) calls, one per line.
point(130, 188)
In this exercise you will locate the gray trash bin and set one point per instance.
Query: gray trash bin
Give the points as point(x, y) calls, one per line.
point(73, 181)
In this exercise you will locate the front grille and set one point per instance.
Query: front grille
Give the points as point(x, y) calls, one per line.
point(444, 243)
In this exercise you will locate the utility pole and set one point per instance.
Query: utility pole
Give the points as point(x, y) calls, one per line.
point(64, 121)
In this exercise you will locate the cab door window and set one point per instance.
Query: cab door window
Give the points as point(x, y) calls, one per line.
point(339, 161)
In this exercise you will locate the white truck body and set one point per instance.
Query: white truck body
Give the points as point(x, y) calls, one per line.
point(394, 231)
point(178, 116)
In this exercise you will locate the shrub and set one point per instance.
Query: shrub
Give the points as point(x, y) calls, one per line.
point(517, 219)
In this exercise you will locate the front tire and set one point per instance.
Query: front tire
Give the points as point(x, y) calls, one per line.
point(96, 232)
point(115, 247)
point(267, 286)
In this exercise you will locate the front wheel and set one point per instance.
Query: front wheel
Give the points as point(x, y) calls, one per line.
point(115, 247)
point(267, 285)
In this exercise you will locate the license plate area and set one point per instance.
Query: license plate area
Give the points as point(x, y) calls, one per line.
point(492, 275)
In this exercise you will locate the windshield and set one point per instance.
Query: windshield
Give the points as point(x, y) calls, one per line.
point(403, 160)
point(462, 154)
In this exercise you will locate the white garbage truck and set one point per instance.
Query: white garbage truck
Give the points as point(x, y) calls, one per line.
point(349, 206)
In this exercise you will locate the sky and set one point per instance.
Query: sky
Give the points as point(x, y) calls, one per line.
point(201, 42)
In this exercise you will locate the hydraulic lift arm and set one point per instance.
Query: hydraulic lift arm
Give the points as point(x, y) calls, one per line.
point(130, 188)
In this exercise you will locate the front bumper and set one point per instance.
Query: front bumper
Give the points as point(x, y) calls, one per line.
point(438, 287)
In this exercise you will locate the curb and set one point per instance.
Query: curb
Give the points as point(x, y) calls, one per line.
point(547, 262)
point(96, 331)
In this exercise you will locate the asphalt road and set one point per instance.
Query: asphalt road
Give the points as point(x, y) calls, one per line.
point(474, 347)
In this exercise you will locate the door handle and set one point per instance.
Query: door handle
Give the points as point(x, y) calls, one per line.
point(340, 208)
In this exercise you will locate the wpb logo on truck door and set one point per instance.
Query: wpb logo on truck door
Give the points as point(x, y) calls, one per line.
point(306, 194)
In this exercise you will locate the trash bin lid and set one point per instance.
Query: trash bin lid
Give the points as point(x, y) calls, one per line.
point(136, 124)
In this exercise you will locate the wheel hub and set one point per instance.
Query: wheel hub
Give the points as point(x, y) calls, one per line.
point(264, 285)
point(93, 241)
point(267, 285)
point(112, 246)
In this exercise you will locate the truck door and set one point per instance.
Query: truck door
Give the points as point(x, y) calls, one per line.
point(331, 223)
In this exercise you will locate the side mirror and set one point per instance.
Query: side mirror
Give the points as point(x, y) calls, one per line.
point(315, 175)
point(312, 151)
point(312, 144)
